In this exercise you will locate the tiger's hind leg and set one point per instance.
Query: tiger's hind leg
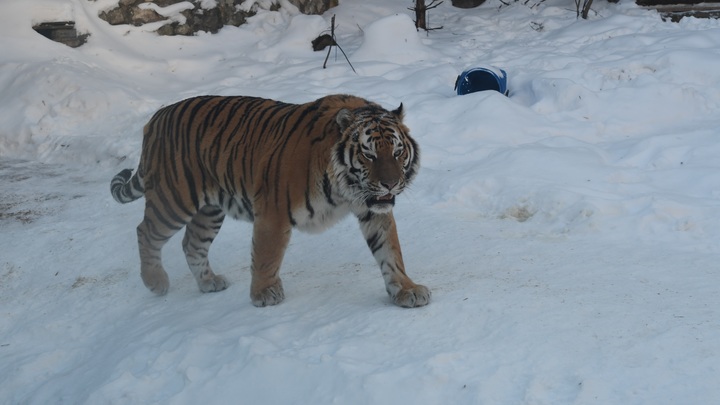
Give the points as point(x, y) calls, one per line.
point(157, 227)
point(199, 235)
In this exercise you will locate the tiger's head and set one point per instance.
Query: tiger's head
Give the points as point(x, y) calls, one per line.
point(376, 159)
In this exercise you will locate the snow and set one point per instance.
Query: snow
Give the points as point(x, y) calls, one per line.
point(173, 12)
point(569, 232)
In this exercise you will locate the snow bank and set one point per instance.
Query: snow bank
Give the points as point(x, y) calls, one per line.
point(392, 39)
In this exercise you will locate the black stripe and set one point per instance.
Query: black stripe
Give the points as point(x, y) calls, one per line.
point(289, 210)
point(366, 217)
point(305, 110)
point(327, 189)
point(273, 110)
point(375, 242)
point(340, 153)
point(309, 206)
point(277, 157)
point(189, 178)
point(239, 109)
point(159, 216)
point(246, 203)
point(168, 207)
point(135, 181)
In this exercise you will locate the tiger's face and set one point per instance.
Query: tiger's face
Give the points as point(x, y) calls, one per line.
point(376, 158)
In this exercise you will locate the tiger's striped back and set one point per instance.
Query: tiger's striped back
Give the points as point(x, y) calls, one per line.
point(242, 147)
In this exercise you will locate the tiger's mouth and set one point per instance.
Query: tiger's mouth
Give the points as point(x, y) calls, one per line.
point(382, 199)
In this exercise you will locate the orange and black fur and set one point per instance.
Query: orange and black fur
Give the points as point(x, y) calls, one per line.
point(280, 166)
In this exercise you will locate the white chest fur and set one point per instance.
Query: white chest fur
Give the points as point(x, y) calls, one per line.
point(323, 216)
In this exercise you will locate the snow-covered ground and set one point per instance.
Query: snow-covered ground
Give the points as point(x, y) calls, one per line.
point(570, 232)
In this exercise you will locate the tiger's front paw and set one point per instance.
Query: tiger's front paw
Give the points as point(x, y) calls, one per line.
point(416, 296)
point(267, 296)
point(156, 280)
point(213, 284)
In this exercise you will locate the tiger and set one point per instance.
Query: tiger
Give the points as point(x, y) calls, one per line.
point(280, 166)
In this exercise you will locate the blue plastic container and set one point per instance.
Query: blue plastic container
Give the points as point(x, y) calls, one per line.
point(481, 79)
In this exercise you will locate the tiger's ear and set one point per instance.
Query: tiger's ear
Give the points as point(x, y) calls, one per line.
point(399, 112)
point(344, 118)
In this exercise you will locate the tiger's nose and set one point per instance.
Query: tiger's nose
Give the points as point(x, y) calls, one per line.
point(389, 185)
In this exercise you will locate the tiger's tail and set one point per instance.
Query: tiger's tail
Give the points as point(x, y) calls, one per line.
point(125, 187)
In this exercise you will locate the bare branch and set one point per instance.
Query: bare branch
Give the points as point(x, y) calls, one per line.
point(330, 41)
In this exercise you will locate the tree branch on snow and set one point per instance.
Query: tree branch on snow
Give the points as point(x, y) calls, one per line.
point(420, 9)
point(328, 41)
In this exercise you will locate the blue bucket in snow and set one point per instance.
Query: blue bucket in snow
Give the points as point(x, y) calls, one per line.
point(480, 79)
